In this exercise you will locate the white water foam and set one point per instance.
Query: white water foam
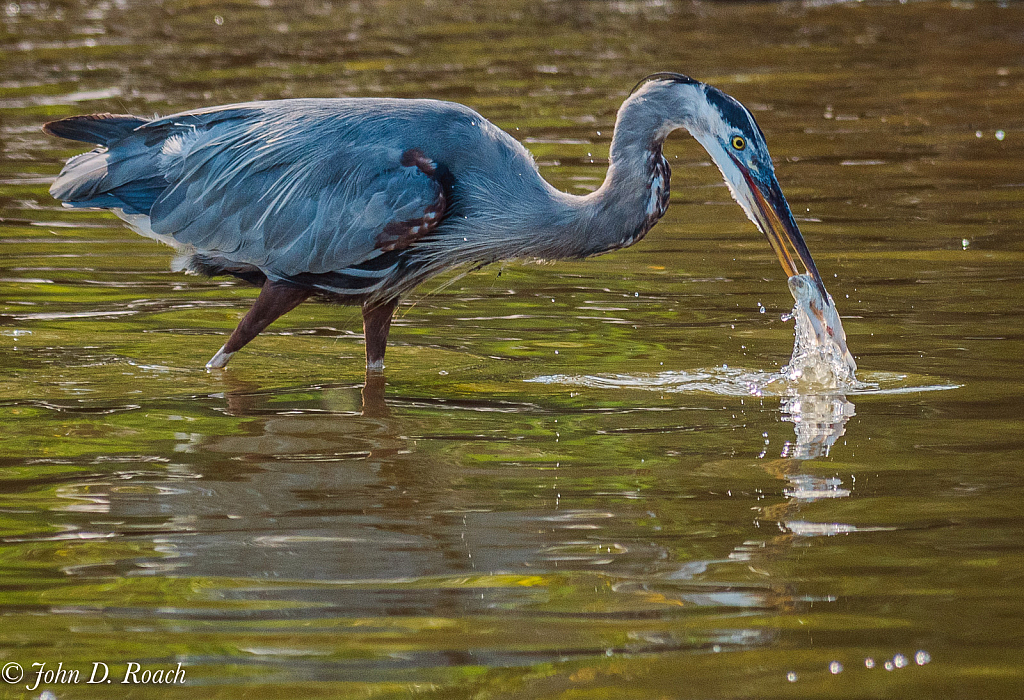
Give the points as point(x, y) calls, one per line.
point(820, 358)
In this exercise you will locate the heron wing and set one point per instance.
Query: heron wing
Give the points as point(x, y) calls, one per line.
point(291, 191)
point(293, 195)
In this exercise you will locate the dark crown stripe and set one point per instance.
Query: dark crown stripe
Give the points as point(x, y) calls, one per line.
point(732, 111)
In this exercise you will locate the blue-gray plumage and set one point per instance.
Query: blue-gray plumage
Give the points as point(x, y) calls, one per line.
point(362, 199)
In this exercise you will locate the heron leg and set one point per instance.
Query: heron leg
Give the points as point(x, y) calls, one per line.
point(376, 324)
point(275, 300)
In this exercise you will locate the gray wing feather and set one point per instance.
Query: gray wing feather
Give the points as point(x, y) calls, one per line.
point(287, 196)
point(294, 187)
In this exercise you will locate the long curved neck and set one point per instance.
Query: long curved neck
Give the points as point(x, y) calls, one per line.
point(635, 192)
point(542, 222)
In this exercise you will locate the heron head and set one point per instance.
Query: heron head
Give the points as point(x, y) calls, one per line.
point(728, 132)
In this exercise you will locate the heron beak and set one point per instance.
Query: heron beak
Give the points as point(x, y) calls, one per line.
point(774, 218)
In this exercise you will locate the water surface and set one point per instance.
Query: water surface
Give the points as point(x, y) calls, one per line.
point(567, 490)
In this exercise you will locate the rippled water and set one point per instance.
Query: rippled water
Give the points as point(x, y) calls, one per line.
point(566, 488)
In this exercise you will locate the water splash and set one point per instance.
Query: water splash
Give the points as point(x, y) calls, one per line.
point(821, 371)
point(820, 359)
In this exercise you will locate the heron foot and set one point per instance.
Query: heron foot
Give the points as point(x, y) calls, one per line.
point(220, 360)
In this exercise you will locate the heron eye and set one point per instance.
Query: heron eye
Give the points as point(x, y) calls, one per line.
point(739, 143)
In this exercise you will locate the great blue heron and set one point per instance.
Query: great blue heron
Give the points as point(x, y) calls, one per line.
point(361, 199)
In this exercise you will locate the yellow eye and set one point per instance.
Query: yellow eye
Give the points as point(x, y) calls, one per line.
point(739, 143)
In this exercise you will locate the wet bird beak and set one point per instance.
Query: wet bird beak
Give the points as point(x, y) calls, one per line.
point(772, 214)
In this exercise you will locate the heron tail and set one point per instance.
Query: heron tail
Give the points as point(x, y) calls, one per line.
point(101, 129)
point(121, 175)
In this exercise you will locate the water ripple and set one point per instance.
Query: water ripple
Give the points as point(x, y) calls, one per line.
point(738, 381)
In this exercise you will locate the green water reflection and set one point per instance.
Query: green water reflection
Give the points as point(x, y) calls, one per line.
point(550, 499)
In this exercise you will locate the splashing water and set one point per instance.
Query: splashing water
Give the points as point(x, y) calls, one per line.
point(820, 357)
point(820, 368)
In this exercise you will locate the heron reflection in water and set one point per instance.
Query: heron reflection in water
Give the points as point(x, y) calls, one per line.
point(362, 199)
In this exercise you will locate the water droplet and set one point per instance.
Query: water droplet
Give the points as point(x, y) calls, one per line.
point(1000, 135)
point(636, 294)
point(443, 373)
point(899, 661)
point(869, 662)
point(218, 20)
point(717, 648)
point(791, 676)
point(922, 657)
point(835, 668)
point(761, 310)
point(965, 243)
point(889, 666)
point(978, 134)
